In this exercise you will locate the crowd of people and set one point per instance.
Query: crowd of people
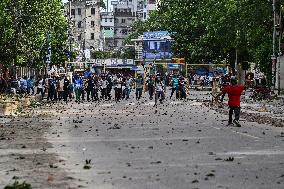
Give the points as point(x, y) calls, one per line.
point(93, 87)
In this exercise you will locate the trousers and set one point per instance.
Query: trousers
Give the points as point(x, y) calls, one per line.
point(237, 111)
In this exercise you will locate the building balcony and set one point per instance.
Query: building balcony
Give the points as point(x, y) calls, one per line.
point(124, 14)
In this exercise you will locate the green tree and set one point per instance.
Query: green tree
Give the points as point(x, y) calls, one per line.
point(213, 31)
point(25, 27)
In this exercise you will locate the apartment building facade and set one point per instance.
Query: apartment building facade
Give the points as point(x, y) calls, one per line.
point(125, 13)
point(85, 23)
point(107, 29)
point(103, 30)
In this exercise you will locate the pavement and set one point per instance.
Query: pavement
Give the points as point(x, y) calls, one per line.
point(176, 145)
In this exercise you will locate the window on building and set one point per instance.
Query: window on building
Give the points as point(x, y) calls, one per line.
point(145, 15)
point(73, 12)
point(92, 24)
point(92, 36)
point(79, 37)
point(105, 19)
point(110, 20)
point(79, 11)
point(93, 11)
point(79, 24)
point(122, 20)
point(124, 31)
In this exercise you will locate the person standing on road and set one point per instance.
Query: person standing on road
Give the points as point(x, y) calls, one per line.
point(96, 88)
point(139, 87)
point(182, 88)
point(103, 84)
point(175, 85)
point(30, 85)
point(51, 89)
point(40, 87)
point(24, 85)
point(234, 92)
point(118, 88)
point(160, 88)
point(151, 87)
point(109, 86)
point(66, 89)
point(60, 89)
point(78, 85)
point(127, 90)
point(90, 88)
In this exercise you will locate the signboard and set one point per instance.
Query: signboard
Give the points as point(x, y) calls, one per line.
point(178, 61)
point(91, 2)
point(156, 35)
point(173, 66)
point(114, 2)
point(113, 62)
point(157, 45)
point(87, 53)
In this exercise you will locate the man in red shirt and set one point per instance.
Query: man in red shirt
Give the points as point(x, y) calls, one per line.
point(234, 93)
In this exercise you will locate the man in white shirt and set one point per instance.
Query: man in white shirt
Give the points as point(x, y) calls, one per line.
point(104, 84)
point(159, 89)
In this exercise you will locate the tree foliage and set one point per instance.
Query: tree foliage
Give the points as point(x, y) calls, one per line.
point(25, 26)
point(210, 31)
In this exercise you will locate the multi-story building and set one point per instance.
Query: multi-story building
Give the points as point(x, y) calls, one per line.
point(107, 28)
point(98, 30)
point(151, 6)
point(85, 19)
point(125, 13)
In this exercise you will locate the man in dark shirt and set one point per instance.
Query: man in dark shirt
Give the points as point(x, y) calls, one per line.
point(234, 93)
point(90, 88)
point(66, 89)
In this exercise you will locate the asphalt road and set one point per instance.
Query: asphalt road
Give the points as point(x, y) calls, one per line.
point(176, 145)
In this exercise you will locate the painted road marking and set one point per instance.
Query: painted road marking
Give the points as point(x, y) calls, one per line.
point(255, 152)
point(91, 139)
point(107, 105)
point(244, 134)
point(196, 104)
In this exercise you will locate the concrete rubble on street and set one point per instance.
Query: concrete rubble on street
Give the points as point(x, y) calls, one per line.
point(131, 144)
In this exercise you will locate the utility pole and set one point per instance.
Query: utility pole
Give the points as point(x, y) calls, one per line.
point(69, 34)
point(273, 57)
point(279, 51)
point(48, 57)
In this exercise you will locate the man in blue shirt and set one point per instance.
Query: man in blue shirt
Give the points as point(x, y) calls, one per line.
point(30, 85)
point(78, 85)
